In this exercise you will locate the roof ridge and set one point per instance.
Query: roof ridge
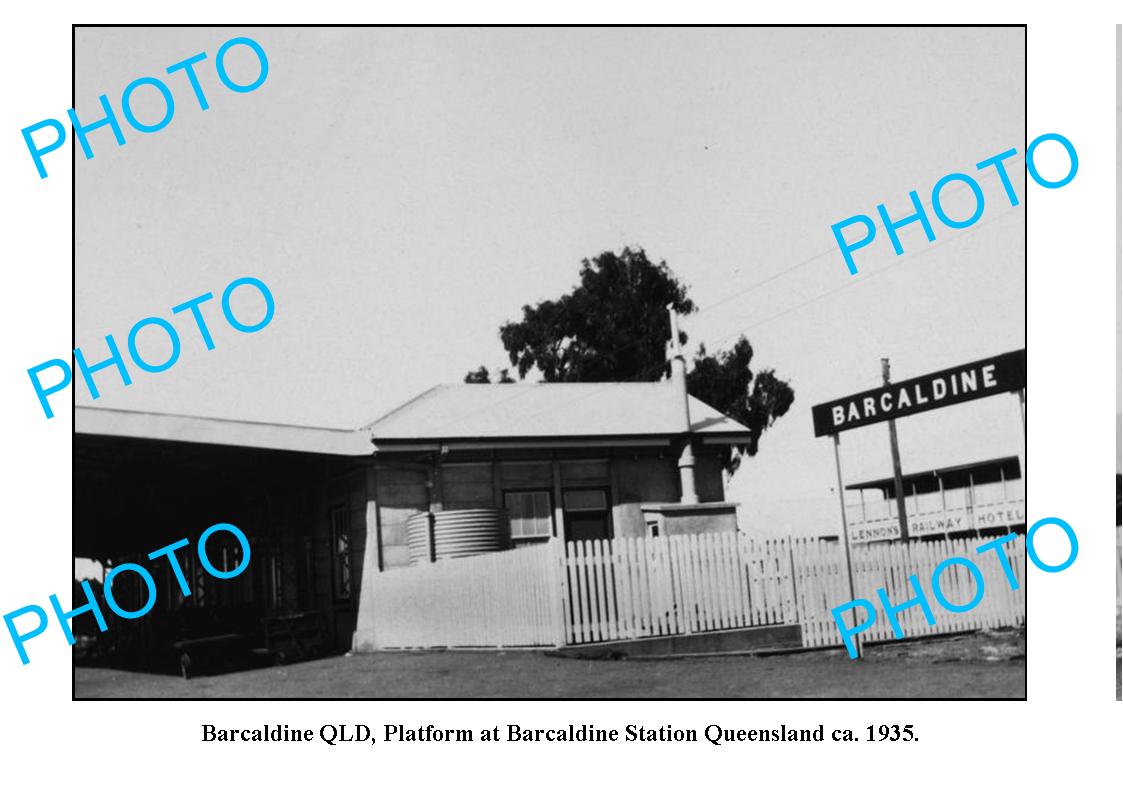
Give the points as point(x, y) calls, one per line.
point(403, 405)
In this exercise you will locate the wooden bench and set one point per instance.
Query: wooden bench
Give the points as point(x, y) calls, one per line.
point(207, 650)
point(295, 636)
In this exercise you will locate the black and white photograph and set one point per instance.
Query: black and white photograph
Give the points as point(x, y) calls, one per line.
point(549, 363)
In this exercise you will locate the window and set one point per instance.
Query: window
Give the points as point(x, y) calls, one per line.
point(531, 514)
point(341, 552)
point(306, 590)
point(276, 592)
point(586, 515)
point(186, 566)
point(224, 554)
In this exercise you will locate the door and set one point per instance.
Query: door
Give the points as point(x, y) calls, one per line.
point(587, 514)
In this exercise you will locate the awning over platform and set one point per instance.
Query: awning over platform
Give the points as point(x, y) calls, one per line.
point(214, 431)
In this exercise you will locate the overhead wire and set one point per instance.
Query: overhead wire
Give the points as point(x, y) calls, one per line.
point(958, 188)
point(893, 268)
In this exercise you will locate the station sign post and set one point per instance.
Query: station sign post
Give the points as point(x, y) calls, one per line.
point(1004, 373)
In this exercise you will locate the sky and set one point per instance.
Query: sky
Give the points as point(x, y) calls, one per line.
point(404, 192)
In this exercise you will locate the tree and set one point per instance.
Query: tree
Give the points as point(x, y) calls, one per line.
point(726, 382)
point(613, 326)
point(481, 376)
point(478, 376)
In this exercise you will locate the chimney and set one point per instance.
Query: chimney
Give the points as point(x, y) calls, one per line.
point(678, 383)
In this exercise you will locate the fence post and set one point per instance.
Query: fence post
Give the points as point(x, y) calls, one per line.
point(559, 589)
point(795, 585)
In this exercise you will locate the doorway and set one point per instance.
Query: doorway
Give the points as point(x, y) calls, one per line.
point(587, 514)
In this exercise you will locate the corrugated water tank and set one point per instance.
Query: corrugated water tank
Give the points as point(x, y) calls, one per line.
point(456, 534)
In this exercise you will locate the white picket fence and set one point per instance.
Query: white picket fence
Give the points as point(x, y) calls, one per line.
point(582, 592)
point(632, 588)
point(820, 574)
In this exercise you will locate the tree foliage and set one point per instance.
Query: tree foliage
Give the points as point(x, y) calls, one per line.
point(613, 326)
point(478, 376)
point(726, 382)
point(481, 376)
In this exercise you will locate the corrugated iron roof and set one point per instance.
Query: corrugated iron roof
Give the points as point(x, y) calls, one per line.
point(987, 471)
point(217, 431)
point(610, 410)
point(527, 411)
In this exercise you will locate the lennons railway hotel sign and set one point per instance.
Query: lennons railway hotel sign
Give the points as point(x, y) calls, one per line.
point(985, 377)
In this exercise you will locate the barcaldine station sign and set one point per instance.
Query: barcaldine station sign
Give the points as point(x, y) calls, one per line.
point(991, 376)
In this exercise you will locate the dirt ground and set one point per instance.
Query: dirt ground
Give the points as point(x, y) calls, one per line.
point(982, 665)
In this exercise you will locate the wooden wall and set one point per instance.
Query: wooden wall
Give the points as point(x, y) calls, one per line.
point(632, 478)
point(347, 489)
point(399, 492)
